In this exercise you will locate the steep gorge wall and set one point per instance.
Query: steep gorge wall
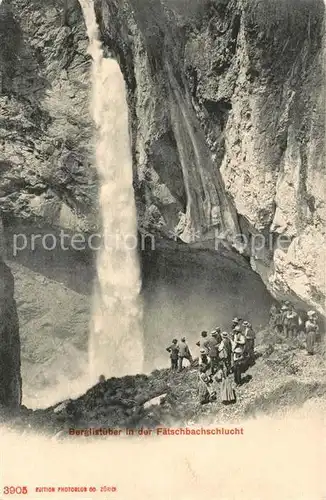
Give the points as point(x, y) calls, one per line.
point(47, 183)
point(227, 103)
point(10, 377)
point(46, 173)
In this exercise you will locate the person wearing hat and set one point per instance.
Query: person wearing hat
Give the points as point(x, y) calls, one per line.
point(184, 353)
point(315, 318)
point(290, 322)
point(173, 349)
point(235, 322)
point(203, 342)
point(227, 393)
point(227, 344)
point(203, 381)
point(284, 308)
point(311, 330)
point(204, 348)
point(272, 313)
point(237, 364)
point(278, 321)
point(250, 336)
point(238, 337)
point(275, 319)
point(203, 358)
point(237, 327)
point(284, 311)
point(222, 355)
point(218, 336)
point(212, 345)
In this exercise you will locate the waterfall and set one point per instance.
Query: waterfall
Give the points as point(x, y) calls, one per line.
point(207, 203)
point(116, 337)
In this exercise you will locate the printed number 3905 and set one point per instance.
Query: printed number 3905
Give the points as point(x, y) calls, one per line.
point(15, 490)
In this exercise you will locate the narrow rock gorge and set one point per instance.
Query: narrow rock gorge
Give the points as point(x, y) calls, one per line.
point(226, 104)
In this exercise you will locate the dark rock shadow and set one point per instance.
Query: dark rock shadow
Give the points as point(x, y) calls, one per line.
point(246, 379)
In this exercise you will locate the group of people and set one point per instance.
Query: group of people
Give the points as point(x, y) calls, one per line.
point(220, 354)
point(286, 320)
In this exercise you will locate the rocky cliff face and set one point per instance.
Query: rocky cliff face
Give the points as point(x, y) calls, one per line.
point(10, 378)
point(45, 129)
point(226, 101)
point(47, 183)
point(226, 113)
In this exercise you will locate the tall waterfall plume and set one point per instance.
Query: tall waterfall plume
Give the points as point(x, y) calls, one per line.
point(116, 337)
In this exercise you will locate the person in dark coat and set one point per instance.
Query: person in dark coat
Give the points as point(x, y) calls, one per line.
point(272, 313)
point(250, 336)
point(284, 312)
point(184, 353)
point(292, 322)
point(278, 322)
point(227, 343)
point(222, 356)
point(204, 359)
point(217, 332)
point(173, 349)
point(212, 345)
point(311, 330)
point(237, 364)
point(275, 319)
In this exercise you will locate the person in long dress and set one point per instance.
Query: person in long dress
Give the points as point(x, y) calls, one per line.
point(227, 391)
point(203, 381)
